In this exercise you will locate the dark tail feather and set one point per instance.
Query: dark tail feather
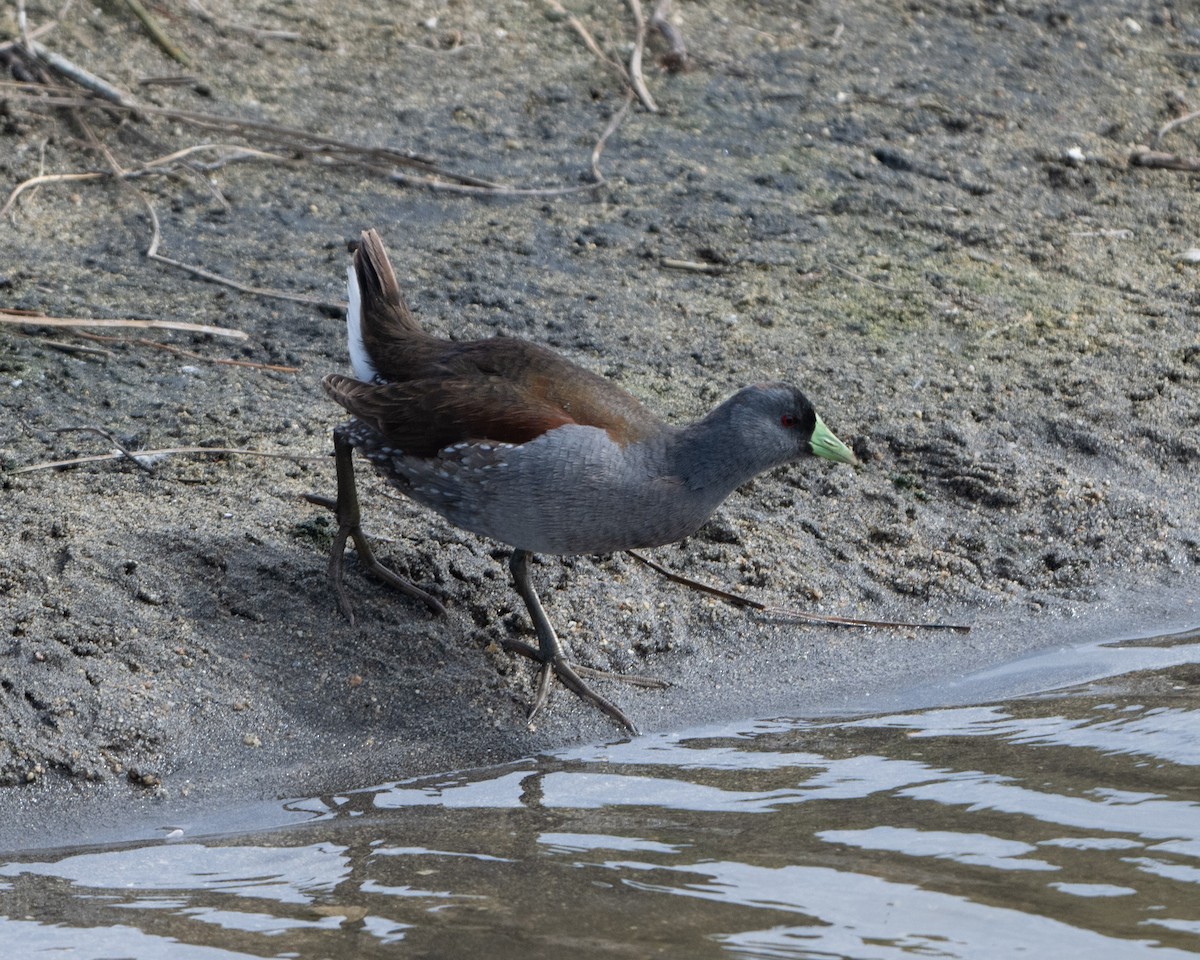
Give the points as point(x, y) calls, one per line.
point(385, 315)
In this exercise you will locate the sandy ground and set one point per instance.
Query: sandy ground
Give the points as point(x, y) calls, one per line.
point(923, 214)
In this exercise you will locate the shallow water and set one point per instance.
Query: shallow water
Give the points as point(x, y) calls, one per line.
point(1063, 825)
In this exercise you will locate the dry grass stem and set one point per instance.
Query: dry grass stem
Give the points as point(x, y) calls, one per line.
point(47, 178)
point(77, 348)
point(694, 266)
point(676, 57)
point(497, 190)
point(746, 603)
point(635, 60)
point(259, 32)
point(631, 77)
point(45, 28)
point(153, 254)
point(1172, 124)
point(157, 33)
point(107, 435)
point(22, 23)
point(1158, 160)
point(232, 153)
point(180, 351)
point(309, 145)
point(608, 132)
point(590, 42)
point(89, 81)
point(874, 283)
point(167, 452)
point(30, 318)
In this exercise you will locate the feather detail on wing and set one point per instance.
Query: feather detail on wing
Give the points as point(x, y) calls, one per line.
point(437, 392)
point(421, 417)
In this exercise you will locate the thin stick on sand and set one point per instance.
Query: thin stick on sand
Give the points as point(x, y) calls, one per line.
point(166, 452)
point(31, 318)
point(784, 613)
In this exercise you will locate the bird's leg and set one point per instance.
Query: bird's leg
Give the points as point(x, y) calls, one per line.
point(550, 654)
point(349, 527)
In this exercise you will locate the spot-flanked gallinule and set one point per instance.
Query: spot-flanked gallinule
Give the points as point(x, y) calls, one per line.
point(509, 440)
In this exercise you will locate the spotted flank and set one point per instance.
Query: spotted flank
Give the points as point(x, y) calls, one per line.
point(445, 481)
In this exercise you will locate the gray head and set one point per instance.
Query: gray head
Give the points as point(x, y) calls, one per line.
point(759, 427)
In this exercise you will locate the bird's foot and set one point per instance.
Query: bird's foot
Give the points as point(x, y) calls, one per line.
point(349, 528)
point(571, 676)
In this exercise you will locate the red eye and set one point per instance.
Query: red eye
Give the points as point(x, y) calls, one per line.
point(788, 420)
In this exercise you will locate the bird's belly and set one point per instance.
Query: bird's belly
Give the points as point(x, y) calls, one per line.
point(572, 525)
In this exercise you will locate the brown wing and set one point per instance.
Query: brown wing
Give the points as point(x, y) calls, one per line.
point(510, 390)
point(422, 417)
point(442, 391)
point(549, 379)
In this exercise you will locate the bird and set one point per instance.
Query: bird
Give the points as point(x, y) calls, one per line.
point(512, 441)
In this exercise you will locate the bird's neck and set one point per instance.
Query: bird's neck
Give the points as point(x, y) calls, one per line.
point(712, 455)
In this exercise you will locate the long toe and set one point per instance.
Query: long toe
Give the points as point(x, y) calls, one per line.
point(572, 681)
point(399, 583)
point(571, 675)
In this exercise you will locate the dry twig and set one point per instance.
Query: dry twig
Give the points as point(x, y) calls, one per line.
point(608, 132)
point(31, 318)
point(77, 348)
point(1165, 161)
point(635, 60)
point(233, 153)
point(1172, 124)
point(676, 57)
point(693, 266)
point(157, 33)
point(167, 452)
point(100, 431)
point(589, 41)
point(153, 254)
point(179, 351)
point(85, 79)
point(744, 602)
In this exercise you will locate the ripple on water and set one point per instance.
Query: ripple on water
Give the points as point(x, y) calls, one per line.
point(1064, 826)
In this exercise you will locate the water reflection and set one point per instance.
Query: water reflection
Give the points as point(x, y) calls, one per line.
point(1041, 827)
